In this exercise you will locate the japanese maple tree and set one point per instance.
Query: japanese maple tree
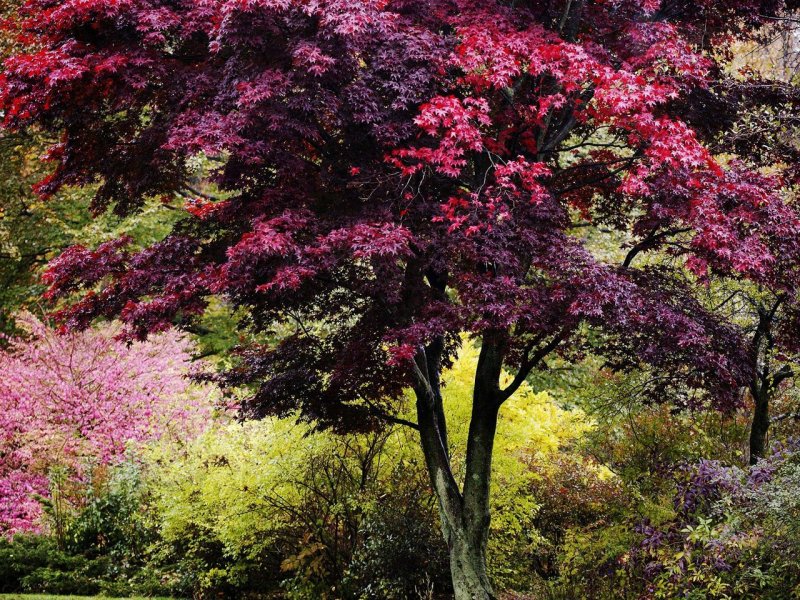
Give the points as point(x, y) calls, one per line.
point(75, 402)
point(395, 173)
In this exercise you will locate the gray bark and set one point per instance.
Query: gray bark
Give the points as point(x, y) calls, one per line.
point(465, 516)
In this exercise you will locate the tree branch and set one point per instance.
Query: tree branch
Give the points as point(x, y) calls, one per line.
point(784, 416)
point(530, 361)
point(378, 413)
point(648, 242)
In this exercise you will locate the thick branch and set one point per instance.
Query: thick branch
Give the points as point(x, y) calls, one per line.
point(784, 373)
point(436, 455)
point(529, 363)
point(480, 443)
point(648, 243)
point(566, 127)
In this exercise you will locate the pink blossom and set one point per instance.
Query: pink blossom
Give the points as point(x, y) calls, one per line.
point(81, 399)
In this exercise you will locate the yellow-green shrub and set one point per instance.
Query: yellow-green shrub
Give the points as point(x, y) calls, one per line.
point(277, 489)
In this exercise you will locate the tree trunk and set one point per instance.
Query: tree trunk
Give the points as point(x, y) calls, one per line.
point(766, 382)
point(465, 519)
point(465, 516)
point(468, 570)
point(760, 425)
point(465, 524)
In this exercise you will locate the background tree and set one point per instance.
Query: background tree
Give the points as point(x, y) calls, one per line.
point(398, 173)
point(760, 101)
point(34, 230)
point(772, 332)
point(72, 403)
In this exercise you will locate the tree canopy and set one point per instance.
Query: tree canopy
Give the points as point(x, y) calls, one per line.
point(402, 172)
point(391, 174)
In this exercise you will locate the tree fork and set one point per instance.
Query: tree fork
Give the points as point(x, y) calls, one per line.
point(465, 517)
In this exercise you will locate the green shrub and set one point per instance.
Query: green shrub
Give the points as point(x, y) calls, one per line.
point(53, 581)
point(107, 547)
point(25, 554)
point(591, 564)
point(403, 553)
point(115, 520)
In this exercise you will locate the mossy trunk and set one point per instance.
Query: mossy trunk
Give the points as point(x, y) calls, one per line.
point(468, 569)
point(464, 513)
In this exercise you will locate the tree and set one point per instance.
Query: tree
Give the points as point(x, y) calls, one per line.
point(764, 132)
point(770, 322)
point(309, 499)
point(393, 174)
point(70, 403)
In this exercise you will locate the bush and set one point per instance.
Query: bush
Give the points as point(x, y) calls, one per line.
point(108, 547)
point(72, 405)
point(732, 534)
point(728, 533)
point(31, 563)
point(117, 522)
point(591, 563)
point(51, 581)
point(23, 555)
point(575, 496)
point(403, 554)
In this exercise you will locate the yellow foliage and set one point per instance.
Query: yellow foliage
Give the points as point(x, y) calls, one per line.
point(530, 423)
point(240, 482)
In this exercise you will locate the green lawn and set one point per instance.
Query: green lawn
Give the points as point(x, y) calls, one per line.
point(49, 597)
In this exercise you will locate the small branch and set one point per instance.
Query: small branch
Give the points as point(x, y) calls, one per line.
point(565, 16)
point(784, 373)
point(568, 125)
point(646, 243)
point(728, 299)
point(607, 175)
point(389, 418)
point(198, 192)
point(781, 19)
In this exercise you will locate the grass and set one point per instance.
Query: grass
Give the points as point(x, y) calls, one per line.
point(49, 597)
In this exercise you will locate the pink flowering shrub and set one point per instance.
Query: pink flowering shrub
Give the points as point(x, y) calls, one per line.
point(78, 401)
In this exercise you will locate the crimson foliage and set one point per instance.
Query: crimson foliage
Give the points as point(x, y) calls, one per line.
point(397, 172)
